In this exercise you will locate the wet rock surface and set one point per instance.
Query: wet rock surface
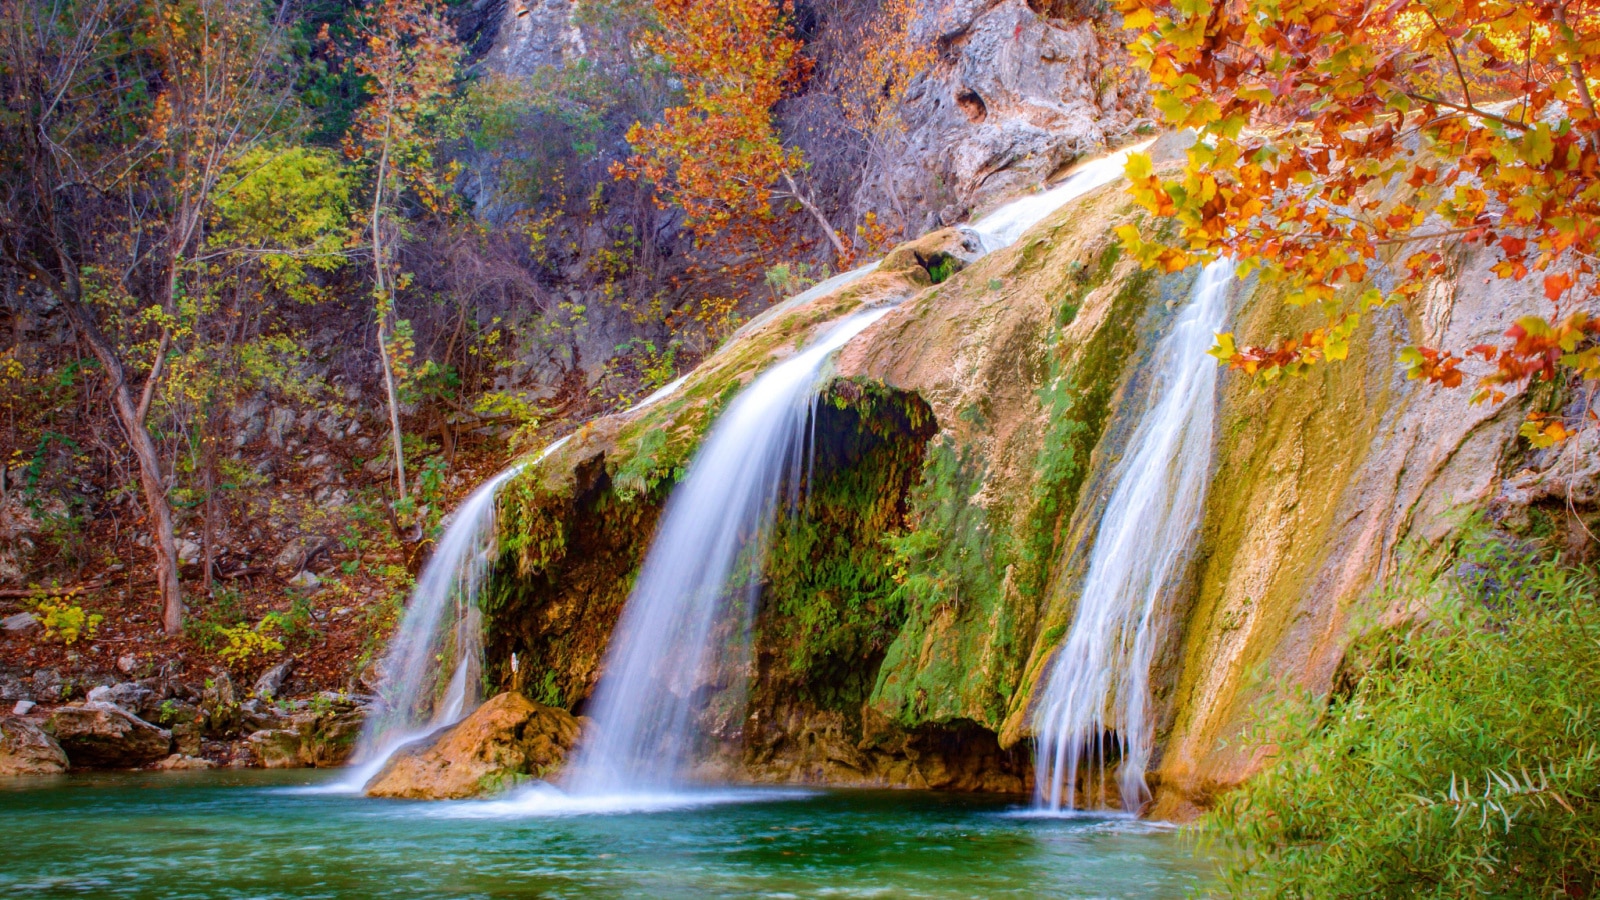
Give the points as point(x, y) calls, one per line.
point(505, 741)
point(319, 738)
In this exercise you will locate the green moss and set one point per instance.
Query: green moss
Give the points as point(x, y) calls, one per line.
point(972, 574)
point(829, 602)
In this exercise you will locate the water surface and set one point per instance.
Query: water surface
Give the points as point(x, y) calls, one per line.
point(263, 834)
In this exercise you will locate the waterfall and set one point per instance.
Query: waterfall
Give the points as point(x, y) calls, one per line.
point(441, 621)
point(1002, 228)
point(714, 531)
point(704, 562)
point(1099, 690)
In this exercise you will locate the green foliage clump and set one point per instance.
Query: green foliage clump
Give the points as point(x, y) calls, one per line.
point(66, 621)
point(1464, 761)
point(243, 643)
point(830, 604)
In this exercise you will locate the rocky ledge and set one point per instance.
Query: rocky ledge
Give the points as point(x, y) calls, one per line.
point(506, 741)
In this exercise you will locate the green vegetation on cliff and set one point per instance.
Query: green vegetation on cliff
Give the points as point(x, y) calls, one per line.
point(1461, 762)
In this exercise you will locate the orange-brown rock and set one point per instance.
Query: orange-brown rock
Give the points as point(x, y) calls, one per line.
point(507, 740)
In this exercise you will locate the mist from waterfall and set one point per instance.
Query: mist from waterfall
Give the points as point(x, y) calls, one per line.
point(704, 564)
point(1097, 699)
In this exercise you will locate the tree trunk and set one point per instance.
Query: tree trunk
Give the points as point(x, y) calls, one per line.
point(151, 481)
point(385, 307)
point(841, 252)
point(397, 446)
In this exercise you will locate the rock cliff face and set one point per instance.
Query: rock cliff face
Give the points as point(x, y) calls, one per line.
point(966, 451)
point(1014, 97)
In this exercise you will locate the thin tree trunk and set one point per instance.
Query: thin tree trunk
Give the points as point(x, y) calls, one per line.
point(151, 481)
point(208, 537)
point(841, 252)
point(385, 307)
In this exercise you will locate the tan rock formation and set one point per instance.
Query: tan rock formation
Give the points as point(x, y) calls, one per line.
point(507, 740)
point(101, 735)
point(25, 749)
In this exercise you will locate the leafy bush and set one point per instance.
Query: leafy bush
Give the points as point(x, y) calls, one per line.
point(244, 642)
point(65, 621)
point(1463, 761)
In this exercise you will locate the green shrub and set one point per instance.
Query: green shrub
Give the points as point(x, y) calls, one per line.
point(1461, 761)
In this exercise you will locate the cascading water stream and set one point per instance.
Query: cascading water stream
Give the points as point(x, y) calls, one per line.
point(643, 720)
point(441, 621)
point(1099, 689)
point(715, 528)
point(715, 523)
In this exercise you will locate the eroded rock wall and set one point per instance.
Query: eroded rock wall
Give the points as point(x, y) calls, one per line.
point(1031, 364)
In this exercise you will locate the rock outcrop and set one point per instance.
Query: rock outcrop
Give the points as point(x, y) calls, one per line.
point(505, 741)
point(306, 739)
point(1027, 373)
point(25, 749)
point(1014, 97)
point(99, 735)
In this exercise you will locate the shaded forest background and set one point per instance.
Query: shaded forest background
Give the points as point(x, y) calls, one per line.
point(283, 281)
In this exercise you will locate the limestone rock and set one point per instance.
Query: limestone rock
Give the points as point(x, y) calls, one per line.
point(25, 749)
point(181, 761)
point(270, 684)
point(100, 735)
point(505, 740)
point(309, 740)
point(1017, 97)
point(21, 623)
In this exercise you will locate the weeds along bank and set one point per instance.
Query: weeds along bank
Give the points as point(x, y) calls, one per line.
point(908, 613)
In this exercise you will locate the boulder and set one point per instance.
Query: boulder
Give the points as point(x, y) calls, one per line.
point(309, 739)
point(21, 623)
point(507, 740)
point(100, 735)
point(134, 697)
point(270, 684)
point(221, 704)
point(25, 749)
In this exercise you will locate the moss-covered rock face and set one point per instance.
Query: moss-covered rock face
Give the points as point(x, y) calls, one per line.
point(912, 603)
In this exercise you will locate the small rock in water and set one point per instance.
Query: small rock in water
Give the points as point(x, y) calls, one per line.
point(507, 740)
point(179, 761)
point(23, 707)
point(21, 623)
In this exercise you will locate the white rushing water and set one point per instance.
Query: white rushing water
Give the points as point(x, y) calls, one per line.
point(1005, 225)
point(714, 528)
point(644, 705)
point(441, 621)
point(715, 522)
point(1098, 695)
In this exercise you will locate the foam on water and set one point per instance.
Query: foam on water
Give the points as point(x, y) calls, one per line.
point(541, 800)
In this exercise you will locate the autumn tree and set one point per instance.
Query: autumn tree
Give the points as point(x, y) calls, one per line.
point(1344, 145)
point(406, 54)
point(718, 155)
point(120, 119)
point(871, 82)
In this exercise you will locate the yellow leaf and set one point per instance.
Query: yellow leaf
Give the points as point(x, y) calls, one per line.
point(1138, 19)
